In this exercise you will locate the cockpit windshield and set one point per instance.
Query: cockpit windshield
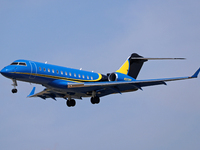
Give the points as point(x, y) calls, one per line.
point(22, 63)
point(18, 63)
point(14, 63)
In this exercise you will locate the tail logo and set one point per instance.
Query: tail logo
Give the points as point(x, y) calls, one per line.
point(124, 68)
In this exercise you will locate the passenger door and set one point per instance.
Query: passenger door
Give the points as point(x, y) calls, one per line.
point(33, 70)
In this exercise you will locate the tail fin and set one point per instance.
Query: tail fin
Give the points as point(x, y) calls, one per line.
point(132, 65)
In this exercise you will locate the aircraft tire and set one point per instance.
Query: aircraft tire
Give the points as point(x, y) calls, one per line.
point(14, 90)
point(92, 100)
point(71, 103)
point(95, 100)
point(68, 103)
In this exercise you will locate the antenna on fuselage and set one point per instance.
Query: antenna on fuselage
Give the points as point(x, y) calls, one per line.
point(45, 62)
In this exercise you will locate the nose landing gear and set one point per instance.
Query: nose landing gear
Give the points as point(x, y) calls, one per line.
point(14, 90)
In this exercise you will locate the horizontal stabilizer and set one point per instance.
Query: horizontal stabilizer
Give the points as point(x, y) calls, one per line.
point(141, 58)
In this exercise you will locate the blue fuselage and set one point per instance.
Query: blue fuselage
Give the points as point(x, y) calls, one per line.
point(65, 82)
point(71, 83)
point(41, 73)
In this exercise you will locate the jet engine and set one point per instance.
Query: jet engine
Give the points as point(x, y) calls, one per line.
point(115, 76)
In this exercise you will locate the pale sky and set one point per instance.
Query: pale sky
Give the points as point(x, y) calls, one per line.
point(99, 36)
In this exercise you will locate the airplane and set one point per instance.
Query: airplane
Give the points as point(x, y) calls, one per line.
point(70, 84)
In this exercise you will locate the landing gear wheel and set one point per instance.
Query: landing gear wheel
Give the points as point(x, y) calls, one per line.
point(14, 90)
point(92, 100)
point(95, 100)
point(71, 103)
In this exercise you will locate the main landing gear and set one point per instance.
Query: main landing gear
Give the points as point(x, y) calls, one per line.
point(95, 100)
point(70, 102)
point(14, 90)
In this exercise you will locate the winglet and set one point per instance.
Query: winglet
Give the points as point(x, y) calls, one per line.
point(195, 75)
point(32, 92)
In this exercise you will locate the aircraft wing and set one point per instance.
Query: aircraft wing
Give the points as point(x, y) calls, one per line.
point(46, 93)
point(105, 88)
point(49, 93)
point(78, 90)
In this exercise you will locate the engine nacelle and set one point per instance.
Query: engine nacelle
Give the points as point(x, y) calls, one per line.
point(115, 76)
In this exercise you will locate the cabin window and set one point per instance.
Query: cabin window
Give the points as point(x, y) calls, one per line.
point(74, 75)
point(83, 76)
point(70, 74)
point(57, 71)
point(91, 78)
point(52, 70)
point(87, 77)
point(61, 72)
point(48, 70)
point(40, 68)
point(44, 69)
point(66, 73)
point(79, 75)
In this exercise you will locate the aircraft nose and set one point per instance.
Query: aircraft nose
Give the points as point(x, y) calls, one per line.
point(5, 71)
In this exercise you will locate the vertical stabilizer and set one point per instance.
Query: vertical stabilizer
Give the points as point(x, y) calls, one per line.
point(132, 65)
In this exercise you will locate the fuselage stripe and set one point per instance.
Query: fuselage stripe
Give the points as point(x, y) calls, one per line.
point(61, 78)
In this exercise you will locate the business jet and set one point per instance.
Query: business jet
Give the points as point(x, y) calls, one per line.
point(71, 84)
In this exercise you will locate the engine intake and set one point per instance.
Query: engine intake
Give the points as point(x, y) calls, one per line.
point(113, 77)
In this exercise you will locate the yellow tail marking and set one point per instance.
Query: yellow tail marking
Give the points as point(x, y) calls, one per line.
point(124, 68)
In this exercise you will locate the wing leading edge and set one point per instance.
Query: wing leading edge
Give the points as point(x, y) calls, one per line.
point(137, 83)
point(105, 88)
